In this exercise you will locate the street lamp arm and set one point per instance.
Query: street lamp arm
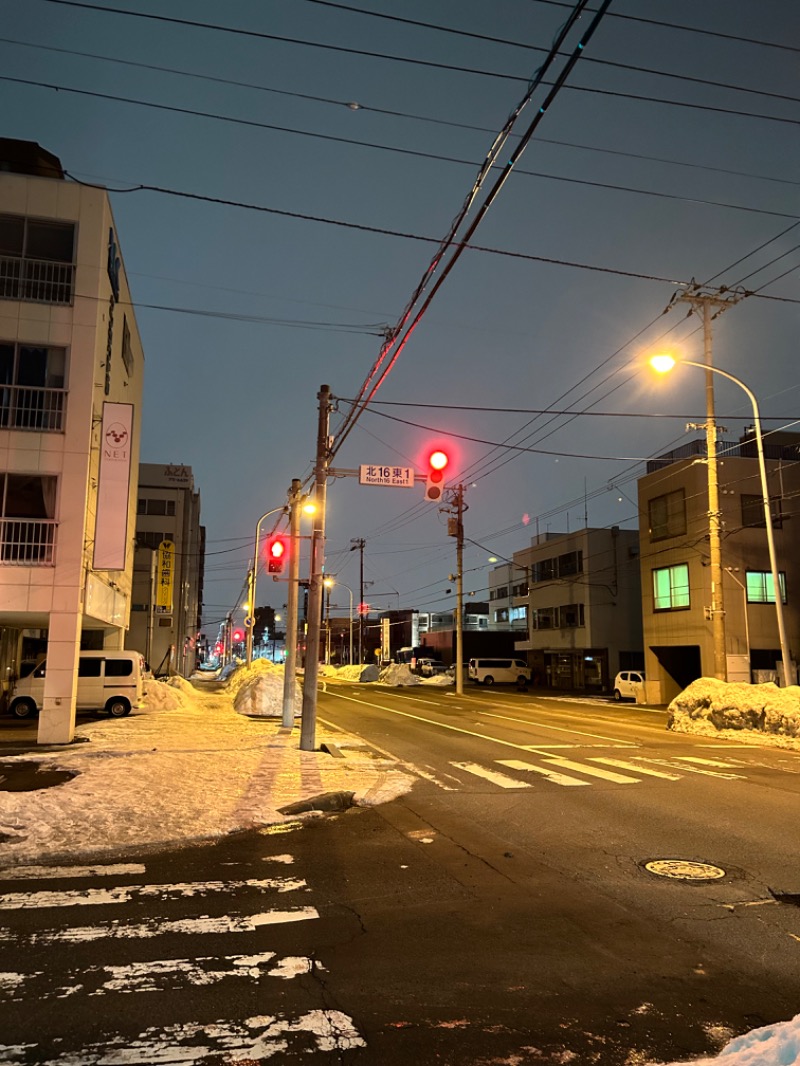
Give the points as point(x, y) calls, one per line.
point(252, 578)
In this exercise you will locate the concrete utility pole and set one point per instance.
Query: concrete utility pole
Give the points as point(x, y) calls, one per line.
point(308, 725)
point(358, 545)
point(455, 528)
point(706, 303)
point(290, 664)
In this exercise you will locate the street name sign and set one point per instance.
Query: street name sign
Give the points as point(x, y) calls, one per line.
point(396, 477)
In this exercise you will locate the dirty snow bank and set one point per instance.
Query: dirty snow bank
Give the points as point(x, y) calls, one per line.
point(356, 672)
point(398, 675)
point(257, 690)
point(712, 707)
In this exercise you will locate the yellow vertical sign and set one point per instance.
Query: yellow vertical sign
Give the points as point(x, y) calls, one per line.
point(165, 575)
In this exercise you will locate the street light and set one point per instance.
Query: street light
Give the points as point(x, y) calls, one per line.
point(329, 583)
point(663, 364)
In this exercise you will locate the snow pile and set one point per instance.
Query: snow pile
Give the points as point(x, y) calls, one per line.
point(161, 696)
point(181, 684)
point(774, 1045)
point(710, 706)
point(398, 675)
point(257, 690)
point(442, 679)
point(356, 672)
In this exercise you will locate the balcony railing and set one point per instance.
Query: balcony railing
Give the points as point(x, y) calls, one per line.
point(23, 407)
point(36, 280)
point(27, 541)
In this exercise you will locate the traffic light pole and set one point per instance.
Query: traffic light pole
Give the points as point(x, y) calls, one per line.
point(459, 501)
point(251, 587)
point(308, 725)
point(290, 664)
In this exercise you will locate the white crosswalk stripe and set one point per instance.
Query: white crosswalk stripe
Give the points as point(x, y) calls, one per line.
point(121, 967)
point(592, 771)
point(637, 767)
point(496, 778)
point(551, 775)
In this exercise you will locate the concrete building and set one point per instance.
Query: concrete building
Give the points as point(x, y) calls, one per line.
point(676, 578)
point(508, 585)
point(583, 607)
point(70, 411)
point(168, 569)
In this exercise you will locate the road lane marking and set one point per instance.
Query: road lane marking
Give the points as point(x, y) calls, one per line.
point(503, 780)
point(427, 776)
point(551, 775)
point(443, 725)
point(30, 873)
point(704, 762)
point(697, 770)
point(158, 927)
point(635, 766)
point(593, 771)
point(563, 729)
point(11, 901)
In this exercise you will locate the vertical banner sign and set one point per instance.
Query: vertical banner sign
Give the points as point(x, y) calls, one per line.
point(111, 528)
point(165, 575)
point(386, 638)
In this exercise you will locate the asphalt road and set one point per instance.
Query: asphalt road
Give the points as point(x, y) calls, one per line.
point(500, 912)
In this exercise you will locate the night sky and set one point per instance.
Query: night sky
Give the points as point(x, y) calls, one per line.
point(671, 153)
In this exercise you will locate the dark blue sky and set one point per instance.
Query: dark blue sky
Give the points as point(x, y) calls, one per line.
point(302, 302)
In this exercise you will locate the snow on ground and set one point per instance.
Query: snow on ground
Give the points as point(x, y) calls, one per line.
point(258, 690)
point(184, 768)
point(762, 714)
point(774, 1045)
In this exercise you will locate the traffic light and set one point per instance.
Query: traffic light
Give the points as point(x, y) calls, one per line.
point(237, 636)
point(276, 555)
point(437, 461)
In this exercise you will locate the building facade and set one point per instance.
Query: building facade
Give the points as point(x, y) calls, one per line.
point(583, 605)
point(167, 599)
point(675, 561)
point(70, 413)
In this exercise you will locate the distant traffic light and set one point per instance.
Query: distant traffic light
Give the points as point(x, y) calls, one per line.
point(237, 636)
point(437, 461)
point(276, 555)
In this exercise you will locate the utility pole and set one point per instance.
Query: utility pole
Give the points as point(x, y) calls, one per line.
point(358, 545)
point(455, 528)
point(706, 303)
point(308, 725)
point(290, 664)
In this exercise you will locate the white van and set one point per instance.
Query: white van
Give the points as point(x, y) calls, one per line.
point(107, 680)
point(629, 685)
point(498, 671)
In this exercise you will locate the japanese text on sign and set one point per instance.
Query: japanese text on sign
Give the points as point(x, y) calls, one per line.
point(398, 477)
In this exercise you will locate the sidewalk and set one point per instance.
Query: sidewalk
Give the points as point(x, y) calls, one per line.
point(162, 778)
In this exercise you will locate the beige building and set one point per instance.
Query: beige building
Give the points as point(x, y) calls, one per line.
point(676, 576)
point(583, 606)
point(167, 600)
point(70, 410)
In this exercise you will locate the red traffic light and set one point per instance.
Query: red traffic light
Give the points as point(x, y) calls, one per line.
point(276, 554)
point(437, 461)
point(237, 635)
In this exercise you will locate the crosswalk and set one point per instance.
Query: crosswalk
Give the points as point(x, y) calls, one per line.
point(565, 772)
point(137, 964)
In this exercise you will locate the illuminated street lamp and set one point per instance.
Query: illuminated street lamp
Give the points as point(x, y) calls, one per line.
point(663, 364)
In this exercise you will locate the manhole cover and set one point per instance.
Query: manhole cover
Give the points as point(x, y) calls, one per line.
point(684, 870)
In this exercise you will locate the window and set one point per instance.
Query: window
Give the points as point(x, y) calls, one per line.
point(753, 511)
point(518, 614)
point(667, 515)
point(31, 386)
point(127, 350)
point(27, 513)
point(544, 618)
point(570, 616)
point(671, 588)
point(36, 259)
point(156, 507)
point(501, 615)
point(501, 593)
point(520, 590)
point(544, 570)
point(119, 667)
point(89, 667)
point(150, 540)
point(761, 587)
point(570, 563)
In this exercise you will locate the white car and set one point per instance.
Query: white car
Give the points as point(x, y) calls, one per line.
point(628, 684)
point(430, 667)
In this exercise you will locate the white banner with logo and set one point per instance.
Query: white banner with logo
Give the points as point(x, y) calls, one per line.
point(111, 528)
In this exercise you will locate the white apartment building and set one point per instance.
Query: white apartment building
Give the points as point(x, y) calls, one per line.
point(167, 596)
point(70, 412)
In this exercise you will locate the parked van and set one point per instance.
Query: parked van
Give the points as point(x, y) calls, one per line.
point(498, 671)
point(107, 680)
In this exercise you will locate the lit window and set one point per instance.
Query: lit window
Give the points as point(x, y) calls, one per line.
point(671, 587)
point(761, 587)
